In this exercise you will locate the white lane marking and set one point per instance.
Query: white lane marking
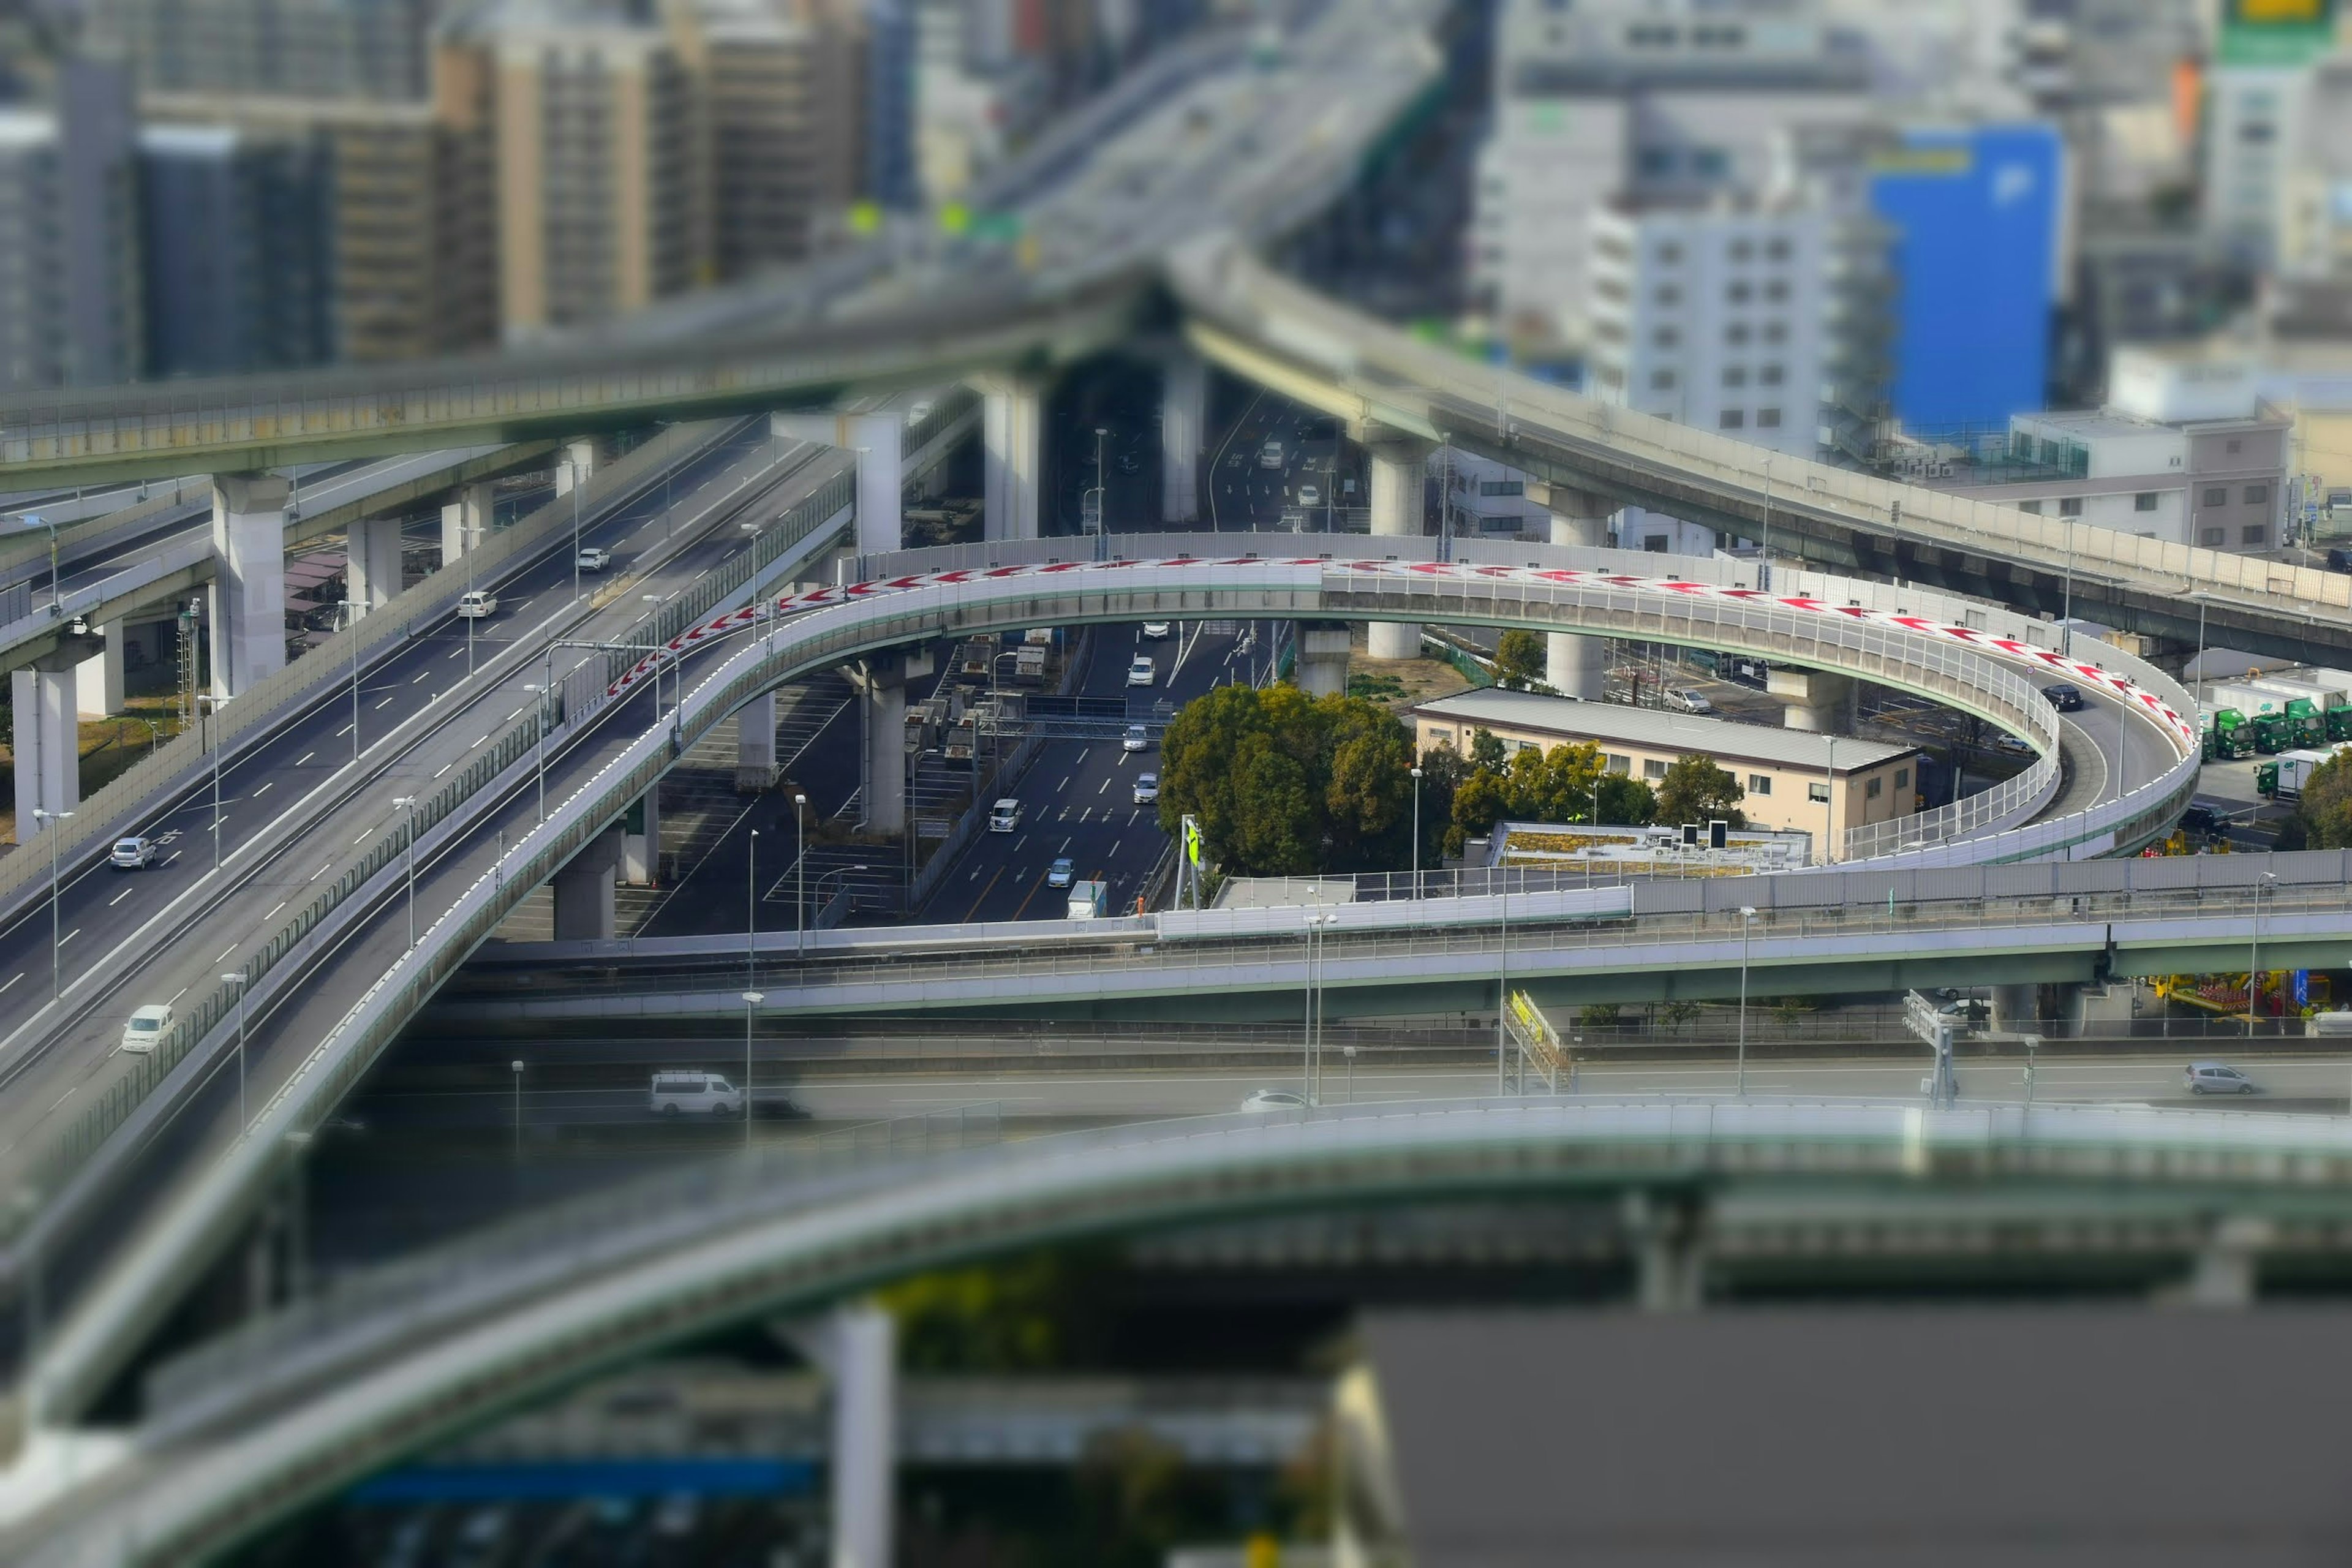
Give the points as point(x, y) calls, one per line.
point(512, 717)
point(363, 838)
point(1102, 786)
point(342, 732)
point(322, 870)
point(481, 740)
point(60, 1099)
point(173, 856)
point(174, 996)
point(455, 651)
point(304, 758)
point(118, 897)
point(420, 675)
point(1065, 850)
point(265, 789)
point(226, 951)
point(69, 936)
point(1114, 848)
point(274, 908)
point(385, 703)
point(444, 768)
point(12, 980)
point(1063, 785)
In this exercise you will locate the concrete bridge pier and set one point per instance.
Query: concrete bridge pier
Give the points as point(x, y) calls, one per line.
point(755, 744)
point(576, 465)
point(1669, 1264)
point(584, 910)
point(248, 591)
point(2053, 1011)
point(372, 573)
point(864, 1367)
point(1817, 700)
point(1578, 666)
point(465, 520)
point(48, 735)
point(879, 439)
point(1398, 467)
point(1012, 435)
point(641, 841)
point(881, 684)
point(1184, 430)
point(98, 679)
point(1323, 647)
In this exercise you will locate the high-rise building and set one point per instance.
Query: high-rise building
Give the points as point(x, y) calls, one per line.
point(239, 281)
point(70, 248)
point(293, 48)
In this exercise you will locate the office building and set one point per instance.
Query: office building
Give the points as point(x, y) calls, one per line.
point(290, 48)
point(1795, 780)
point(780, 100)
point(1975, 212)
point(242, 284)
point(70, 311)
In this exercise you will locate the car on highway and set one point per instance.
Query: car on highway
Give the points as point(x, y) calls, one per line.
point(2064, 696)
point(677, 1090)
point(1137, 739)
point(1270, 455)
point(2217, 1078)
point(132, 853)
point(1142, 671)
point(2339, 560)
point(1310, 495)
point(1268, 1100)
point(1147, 788)
point(1061, 872)
point(596, 558)
point(1689, 700)
point(148, 1025)
point(1004, 816)
point(1155, 631)
point(474, 604)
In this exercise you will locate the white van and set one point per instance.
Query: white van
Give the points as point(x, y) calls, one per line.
point(474, 604)
point(677, 1091)
point(1270, 455)
point(1004, 816)
point(147, 1026)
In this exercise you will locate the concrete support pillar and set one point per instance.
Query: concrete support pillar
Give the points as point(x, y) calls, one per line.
point(1322, 667)
point(1399, 469)
point(48, 735)
point(864, 1367)
point(880, 440)
point(371, 571)
point(248, 591)
point(1578, 666)
point(883, 685)
point(641, 841)
point(2226, 1273)
point(1817, 700)
point(583, 891)
point(755, 743)
point(99, 680)
point(1011, 434)
point(1669, 1270)
point(2053, 1011)
point(575, 464)
point(465, 521)
point(1183, 432)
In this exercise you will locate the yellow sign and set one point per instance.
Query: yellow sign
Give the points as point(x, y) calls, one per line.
point(1192, 842)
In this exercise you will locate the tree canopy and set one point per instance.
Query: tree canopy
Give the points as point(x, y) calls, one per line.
point(1566, 784)
point(1519, 657)
point(1696, 790)
point(1285, 785)
point(2326, 809)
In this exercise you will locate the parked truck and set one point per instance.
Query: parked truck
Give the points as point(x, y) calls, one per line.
point(1087, 899)
point(2283, 780)
point(2228, 736)
point(2265, 712)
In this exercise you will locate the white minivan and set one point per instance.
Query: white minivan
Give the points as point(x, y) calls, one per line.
point(677, 1091)
point(1004, 816)
point(147, 1027)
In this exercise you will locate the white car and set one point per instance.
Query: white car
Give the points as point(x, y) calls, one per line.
point(1266, 1099)
point(674, 1092)
point(1061, 873)
point(1142, 671)
point(1004, 816)
point(476, 603)
point(1689, 700)
point(132, 853)
point(1138, 739)
point(1155, 631)
point(596, 558)
point(1147, 788)
point(147, 1027)
point(1270, 455)
point(1309, 495)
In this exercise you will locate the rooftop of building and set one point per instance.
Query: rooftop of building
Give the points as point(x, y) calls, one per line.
point(1492, 708)
point(2093, 424)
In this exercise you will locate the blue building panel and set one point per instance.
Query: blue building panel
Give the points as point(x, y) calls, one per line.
point(1976, 219)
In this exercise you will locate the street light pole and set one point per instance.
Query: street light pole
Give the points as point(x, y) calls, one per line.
point(2254, 952)
point(1747, 920)
point(800, 876)
point(2066, 619)
point(516, 1067)
point(576, 487)
point(407, 802)
point(209, 705)
point(48, 821)
point(236, 977)
point(1502, 977)
point(751, 1000)
point(351, 621)
point(751, 911)
point(1416, 832)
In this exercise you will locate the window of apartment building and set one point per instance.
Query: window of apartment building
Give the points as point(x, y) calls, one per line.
point(2257, 494)
point(1655, 543)
point(1654, 767)
point(1738, 293)
point(2070, 506)
point(1608, 375)
point(1502, 486)
point(1655, 162)
point(1608, 330)
point(1771, 375)
point(2210, 536)
point(1768, 419)
point(1710, 163)
point(1662, 381)
point(1666, 337)
point(2217, 495)
point(1759, 784)
point(1735, 375)
point(1778, 250)
point(1819, 794)
point(1619, 763)
point(1707, 38)
point(1776, 291)
point(1610, 289)
point(2144, 502)
point(1735, 335)
point(1733, 419)
point(1650, 35)
point(1741, 250)
point(1874, 789)
point(1903, 778)
point(1669, 295)
point(1775, 332)
point(1669, 253)
point(1613, 248)
point(2254, 533)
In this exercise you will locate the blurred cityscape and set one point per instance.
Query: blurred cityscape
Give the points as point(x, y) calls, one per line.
point(1201, 783)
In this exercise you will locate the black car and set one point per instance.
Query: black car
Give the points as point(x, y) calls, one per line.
point(2064, 696)
point(2339, 560)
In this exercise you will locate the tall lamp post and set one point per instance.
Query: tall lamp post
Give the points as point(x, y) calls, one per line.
point(351, 619)
point(208, 707)
point(751, 1000)
point(539, 739)
point(407, 802)
point(800, 874)
point(751, 911)
point(236, 977)
point(48, 821)
point(1416, 832)
point(1747, 923)
point(2254, 952)
point(514, 1067)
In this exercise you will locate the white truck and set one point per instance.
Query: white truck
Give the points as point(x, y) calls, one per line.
point(1087, 899)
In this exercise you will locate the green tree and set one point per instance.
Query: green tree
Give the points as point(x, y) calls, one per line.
point(1695, 790)
point(1486, 751)
point(2326, 809)
point(1627, 802)
point(1519, 657)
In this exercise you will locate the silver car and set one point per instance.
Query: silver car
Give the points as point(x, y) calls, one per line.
point(2217, 1078)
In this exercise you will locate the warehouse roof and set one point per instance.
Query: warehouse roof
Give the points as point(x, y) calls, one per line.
point(1571, 720)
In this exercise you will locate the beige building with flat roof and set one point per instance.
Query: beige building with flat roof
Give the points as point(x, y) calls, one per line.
point(1794, 779)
